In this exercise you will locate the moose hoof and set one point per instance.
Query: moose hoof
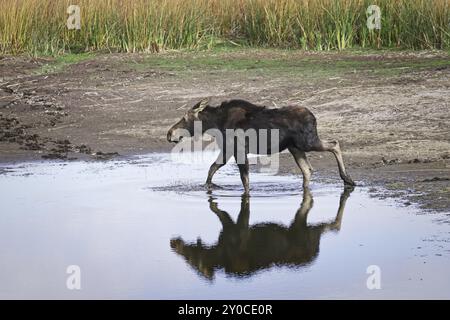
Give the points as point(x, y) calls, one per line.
point(212, 186)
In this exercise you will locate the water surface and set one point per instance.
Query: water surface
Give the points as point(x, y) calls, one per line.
point(146, 228)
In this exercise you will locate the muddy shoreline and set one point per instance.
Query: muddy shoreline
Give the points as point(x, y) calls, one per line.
point(389, 110)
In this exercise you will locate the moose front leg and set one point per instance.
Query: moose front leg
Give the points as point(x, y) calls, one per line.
point(223, 216)
point(219, 163)
point(212, 170)
point(244, 215)
point(243, 170)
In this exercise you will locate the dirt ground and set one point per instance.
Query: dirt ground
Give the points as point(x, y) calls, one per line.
point(389, 110)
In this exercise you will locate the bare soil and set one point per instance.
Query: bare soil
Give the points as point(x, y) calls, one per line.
point(389, 110)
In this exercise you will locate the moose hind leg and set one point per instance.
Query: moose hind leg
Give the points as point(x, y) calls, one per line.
point(333, 147)
point(302, 213)
point(302, 162)
point(336, 224)
point(309, 164)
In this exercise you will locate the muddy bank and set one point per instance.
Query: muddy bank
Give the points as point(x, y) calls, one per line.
point(389, 110)
point(426, 184)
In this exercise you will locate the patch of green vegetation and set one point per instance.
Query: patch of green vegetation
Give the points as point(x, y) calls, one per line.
point(236, 60)
point(286, 62)
point(396, 186)
point(62, 61)
point(404, 67)
point(445, 190)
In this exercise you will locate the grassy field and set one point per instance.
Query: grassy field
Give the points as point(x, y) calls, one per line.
point(39, 26)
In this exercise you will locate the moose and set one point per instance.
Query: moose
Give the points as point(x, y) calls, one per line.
point(295, 125)
point(242, 250)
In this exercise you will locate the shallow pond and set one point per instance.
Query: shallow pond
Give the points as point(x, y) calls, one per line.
point(146, 228)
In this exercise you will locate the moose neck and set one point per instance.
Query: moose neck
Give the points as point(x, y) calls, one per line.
point(211, 118)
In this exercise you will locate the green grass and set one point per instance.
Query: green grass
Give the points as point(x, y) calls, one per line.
point(250, 62)
point(285, 62)
point(38, 26)
point(62, 61)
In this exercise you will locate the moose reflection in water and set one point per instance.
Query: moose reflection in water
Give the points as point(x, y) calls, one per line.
point(242, 250)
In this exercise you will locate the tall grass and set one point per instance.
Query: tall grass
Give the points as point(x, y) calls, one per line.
point(39, 26)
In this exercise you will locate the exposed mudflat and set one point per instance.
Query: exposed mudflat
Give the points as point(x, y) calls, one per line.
point(390, 110)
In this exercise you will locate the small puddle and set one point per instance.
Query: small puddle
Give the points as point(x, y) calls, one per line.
point(146, 228)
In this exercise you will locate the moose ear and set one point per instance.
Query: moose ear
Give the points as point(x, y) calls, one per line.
point(201, 105)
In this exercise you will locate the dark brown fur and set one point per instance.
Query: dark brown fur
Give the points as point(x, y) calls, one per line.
point(296, 126)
